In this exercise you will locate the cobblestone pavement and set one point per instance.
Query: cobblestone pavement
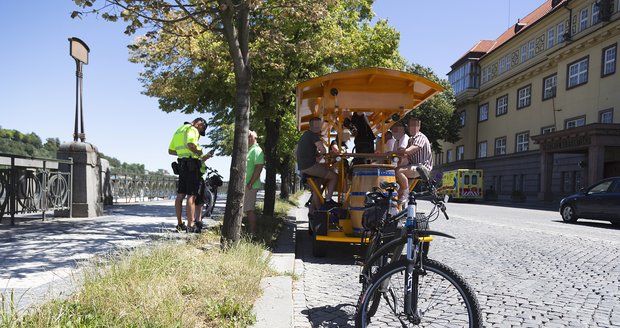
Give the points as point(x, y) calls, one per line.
point(528, 269)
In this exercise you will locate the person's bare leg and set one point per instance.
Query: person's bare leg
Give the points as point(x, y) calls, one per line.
point(197, 213)
point(401, 179)
point(251, 221)
point(191, 202)
point(332, 180)
point(178, 207)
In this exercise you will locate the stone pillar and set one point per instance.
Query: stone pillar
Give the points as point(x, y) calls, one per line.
point(106, 182)
point(86, 188)
point(596, 163)
point(546, 176)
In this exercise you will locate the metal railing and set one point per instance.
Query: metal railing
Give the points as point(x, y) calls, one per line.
point(34, 185)
point(138, 188)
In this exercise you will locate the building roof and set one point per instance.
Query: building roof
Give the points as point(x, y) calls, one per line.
point(487, 46)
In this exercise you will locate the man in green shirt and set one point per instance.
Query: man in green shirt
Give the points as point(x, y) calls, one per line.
point(255, 163)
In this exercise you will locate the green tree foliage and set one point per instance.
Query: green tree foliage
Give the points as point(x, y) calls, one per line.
point(118, 167)
point(438, 116)
point(16, 143)
point(13, 142)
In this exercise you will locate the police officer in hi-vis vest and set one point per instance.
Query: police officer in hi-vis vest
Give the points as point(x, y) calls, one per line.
point(185, 146)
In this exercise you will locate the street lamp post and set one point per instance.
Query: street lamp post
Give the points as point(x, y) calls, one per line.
point(79, 51)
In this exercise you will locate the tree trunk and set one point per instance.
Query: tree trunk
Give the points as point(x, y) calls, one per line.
point(272, 131)
point(233, 213)
point(285, 174)
point(235, 22)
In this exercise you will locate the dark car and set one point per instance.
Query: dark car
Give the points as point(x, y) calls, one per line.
point(600, 201)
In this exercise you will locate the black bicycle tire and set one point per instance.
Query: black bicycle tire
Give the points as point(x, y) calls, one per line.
point(466, 292)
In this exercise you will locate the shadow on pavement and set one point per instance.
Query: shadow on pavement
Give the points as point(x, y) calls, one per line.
point(592, 223)
point(339, 312)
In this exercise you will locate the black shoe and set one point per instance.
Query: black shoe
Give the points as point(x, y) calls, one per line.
point(181, 227)
point(198, 227)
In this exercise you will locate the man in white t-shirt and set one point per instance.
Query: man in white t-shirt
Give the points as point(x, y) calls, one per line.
point(401, 142)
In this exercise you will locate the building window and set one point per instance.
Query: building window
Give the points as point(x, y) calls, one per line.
point(507, 62)
point(560, 33)
point(524, 96)
point(531, 48)
point(606, 116)
point(547, 129)
point(502, 65)
point(583, 19)
point(523, 53)
point(449, 156)
point(482, 149)
point(465, 77)
point(550, 37)
point(462, 118)
point(577, 73)
point(596, 18)
point(609, 60)
point(460, 153)
point(486, 74)
point(501, 105)
point(549, 86)
point(483, 112)
point(438, 158)
point(500, 146)
point(523, 142)
point(575, 122)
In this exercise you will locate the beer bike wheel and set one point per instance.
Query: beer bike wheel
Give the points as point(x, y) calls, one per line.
point(444, 299)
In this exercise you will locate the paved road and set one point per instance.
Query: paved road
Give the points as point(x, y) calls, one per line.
point(527, 268)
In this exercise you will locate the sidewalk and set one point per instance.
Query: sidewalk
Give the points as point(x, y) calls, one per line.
point(38, 259)
point(274, 309)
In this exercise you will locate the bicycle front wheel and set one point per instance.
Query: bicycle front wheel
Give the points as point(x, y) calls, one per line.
point(444, 299)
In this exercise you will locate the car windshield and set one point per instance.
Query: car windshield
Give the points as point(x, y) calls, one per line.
point(601, 187)
point(615, 187)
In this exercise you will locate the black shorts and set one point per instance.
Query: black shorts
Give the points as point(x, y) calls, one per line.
point(189, 176)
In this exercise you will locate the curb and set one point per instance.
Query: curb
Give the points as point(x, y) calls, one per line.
point(274, 309)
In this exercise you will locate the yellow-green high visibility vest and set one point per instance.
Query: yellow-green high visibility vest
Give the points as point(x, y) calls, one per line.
point(187, 133)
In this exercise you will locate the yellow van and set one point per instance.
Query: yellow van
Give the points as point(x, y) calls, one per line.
point(462, 184)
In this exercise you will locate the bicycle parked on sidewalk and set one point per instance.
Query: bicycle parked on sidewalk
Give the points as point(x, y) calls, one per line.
point(208, 191)
point(414, 290)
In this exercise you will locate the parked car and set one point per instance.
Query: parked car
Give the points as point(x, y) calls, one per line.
point(600, 201)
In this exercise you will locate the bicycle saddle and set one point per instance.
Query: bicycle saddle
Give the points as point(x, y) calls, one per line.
point(388, 185)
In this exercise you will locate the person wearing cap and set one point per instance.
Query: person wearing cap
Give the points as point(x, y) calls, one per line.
point(184, 145)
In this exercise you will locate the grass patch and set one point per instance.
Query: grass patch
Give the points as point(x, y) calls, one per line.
point(192, 283)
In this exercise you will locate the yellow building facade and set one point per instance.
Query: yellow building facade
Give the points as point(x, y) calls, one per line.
point(539, 105)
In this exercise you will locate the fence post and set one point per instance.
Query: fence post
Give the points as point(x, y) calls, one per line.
point(12, 191)
point(44, 178)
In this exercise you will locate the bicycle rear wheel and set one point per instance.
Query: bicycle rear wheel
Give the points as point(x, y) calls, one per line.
point(444, 299)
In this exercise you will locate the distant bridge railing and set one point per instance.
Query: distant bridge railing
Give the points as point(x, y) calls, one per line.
point(33, 185)
point(128, 188)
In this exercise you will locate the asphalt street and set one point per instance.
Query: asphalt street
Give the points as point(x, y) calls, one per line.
point(527, 267)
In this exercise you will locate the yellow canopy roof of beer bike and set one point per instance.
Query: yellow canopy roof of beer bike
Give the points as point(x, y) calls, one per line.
point(379, 91)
